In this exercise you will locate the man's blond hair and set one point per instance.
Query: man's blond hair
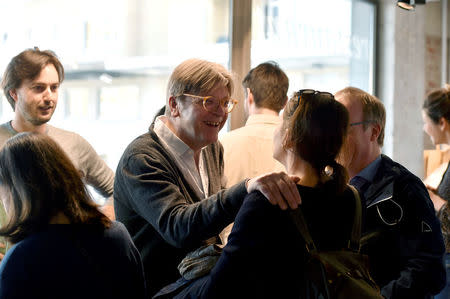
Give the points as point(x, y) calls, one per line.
point(373, 108)
point(196, 76)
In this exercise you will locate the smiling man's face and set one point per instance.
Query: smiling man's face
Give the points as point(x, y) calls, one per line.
point(198, 127)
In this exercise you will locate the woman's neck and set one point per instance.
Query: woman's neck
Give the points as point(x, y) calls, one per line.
point(447, 137)
point(299, 167)
point(59, 218)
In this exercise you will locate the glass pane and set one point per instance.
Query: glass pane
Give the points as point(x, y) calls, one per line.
point(77, 104)
point(316, 48)
point(113, 105)
point(117, 55)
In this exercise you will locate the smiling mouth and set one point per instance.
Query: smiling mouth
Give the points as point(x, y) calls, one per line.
point(212, 124)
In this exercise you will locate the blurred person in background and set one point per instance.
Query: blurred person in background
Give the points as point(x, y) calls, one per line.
point(248, 150)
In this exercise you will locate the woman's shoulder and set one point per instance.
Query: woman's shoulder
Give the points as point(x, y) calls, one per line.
point(117, 231)
point(256, 199)
point(309, 196)
point(118, 236)
point(327, 203)
point(26, 252)
point(257, 208)
point(325, 194)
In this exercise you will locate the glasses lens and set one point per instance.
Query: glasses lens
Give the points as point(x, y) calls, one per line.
point(210, 104)
point(306, 91)
point(327, 94)
point(230, 105)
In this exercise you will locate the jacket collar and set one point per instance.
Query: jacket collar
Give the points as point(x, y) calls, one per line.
point(382, 188)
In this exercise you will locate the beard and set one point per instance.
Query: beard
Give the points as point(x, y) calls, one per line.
point(37, 121)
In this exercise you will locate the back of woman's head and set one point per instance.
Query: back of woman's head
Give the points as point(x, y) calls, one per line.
point(38, 180)
point(316, 126)
point(437, 104)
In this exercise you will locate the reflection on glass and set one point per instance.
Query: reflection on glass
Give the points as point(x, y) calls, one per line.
point(119, 103)
point(321, 44)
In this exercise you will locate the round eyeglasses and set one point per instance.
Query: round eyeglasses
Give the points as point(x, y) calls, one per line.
point(211, 104)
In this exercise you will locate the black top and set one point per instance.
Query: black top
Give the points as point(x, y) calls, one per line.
point(444, 186)
point(73, 261)
point(265, 254)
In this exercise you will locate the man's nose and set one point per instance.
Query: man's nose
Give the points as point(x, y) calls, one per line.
point(220, 109)
point(48, 92)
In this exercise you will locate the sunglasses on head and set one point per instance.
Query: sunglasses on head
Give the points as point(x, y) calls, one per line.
point(308, 92)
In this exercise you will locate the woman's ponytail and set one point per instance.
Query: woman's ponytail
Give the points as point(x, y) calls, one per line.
point(337, 177)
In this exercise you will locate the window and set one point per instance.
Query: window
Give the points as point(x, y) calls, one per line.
point(118, 55)
point(321, 44)
point(117, 58)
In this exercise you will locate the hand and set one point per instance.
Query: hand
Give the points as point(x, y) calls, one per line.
point(438, 201)
point(278, 187)
point(430, 189)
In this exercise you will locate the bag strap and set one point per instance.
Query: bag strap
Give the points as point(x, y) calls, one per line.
point(353, 243)
point(299, 220)
point(355, 238)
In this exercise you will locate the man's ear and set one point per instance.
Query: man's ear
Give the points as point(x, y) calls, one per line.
point(285, 102)
point(13, 94)
point(443, 124)
point(174, 108)
point(250, 98)
point(376, 131)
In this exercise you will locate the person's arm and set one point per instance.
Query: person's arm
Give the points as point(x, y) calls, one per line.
point(136, 282)
point(2, 239)
point(96, 172)
point(14, 277)
point(156, 193)
point(278, 187)
point(438, 202)
point(423, 248)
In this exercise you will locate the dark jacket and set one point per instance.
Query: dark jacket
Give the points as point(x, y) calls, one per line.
point(406, 252)
point(163, 214)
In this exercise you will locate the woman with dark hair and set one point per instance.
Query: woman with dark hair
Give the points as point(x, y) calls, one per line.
point(62, 245)
point(265, 256)
point(436, 119)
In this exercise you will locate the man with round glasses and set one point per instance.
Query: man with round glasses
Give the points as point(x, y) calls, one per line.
point(169, 183)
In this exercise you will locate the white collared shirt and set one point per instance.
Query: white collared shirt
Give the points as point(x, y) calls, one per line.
point(184, 157)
